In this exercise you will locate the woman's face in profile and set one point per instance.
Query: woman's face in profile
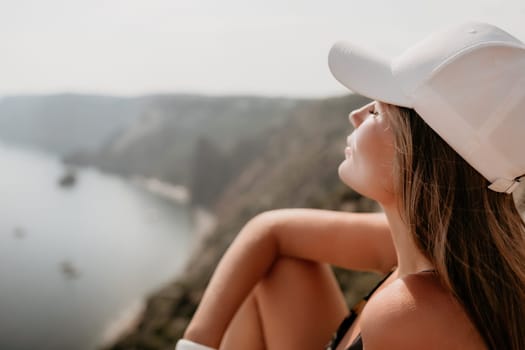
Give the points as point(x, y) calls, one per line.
point(369, 155)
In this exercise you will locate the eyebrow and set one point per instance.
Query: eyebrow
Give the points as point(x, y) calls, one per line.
point(377, 106)
point(379, 109)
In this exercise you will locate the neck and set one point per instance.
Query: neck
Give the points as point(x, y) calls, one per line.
point(409, 258)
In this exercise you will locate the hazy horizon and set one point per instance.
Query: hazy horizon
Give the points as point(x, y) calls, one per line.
point(132, 48)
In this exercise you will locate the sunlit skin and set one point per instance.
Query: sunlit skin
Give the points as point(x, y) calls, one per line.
point(369, 154)
point(266, 291)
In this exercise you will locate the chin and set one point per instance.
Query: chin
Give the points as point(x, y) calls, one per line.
point(342, 170)
point(345, 175)
point(364, 185)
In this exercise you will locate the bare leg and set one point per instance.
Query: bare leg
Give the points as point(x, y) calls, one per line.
point(298, 305)
point(245, 330)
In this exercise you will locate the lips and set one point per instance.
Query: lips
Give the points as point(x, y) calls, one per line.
point(348, 149)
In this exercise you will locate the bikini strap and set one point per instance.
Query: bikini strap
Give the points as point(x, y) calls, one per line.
point(378, 284)
point(356, 310)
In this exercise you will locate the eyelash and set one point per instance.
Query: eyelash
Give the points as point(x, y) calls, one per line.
point(374, 113)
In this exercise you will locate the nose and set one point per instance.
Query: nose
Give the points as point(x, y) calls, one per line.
point(357, 116)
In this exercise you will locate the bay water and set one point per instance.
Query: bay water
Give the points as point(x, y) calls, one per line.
point(76, 262)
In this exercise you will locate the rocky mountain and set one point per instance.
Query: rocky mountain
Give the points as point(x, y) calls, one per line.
point(295, 167)
point(238, 155)
point(173, 130)
point(153, 136)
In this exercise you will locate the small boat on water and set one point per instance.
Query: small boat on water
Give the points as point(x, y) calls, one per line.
point(19, 233)
point(69, 270)
point(68, 179)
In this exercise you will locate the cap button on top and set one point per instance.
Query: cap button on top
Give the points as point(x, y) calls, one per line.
point(472, 31)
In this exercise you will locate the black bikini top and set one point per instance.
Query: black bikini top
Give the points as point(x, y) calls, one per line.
point(357, 344)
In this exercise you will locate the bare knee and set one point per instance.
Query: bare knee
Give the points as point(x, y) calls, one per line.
point(300, 304)
point(294, 265)
point(290, 273)
point(297, 304)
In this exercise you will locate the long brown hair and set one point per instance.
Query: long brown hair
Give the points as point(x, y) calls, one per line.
point(474, 236)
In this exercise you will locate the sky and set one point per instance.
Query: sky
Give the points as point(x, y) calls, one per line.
point(218, 47)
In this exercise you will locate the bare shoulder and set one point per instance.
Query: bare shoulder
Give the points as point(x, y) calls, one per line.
point(417, 312)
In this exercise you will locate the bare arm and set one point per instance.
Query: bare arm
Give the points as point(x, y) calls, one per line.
point(350, 240)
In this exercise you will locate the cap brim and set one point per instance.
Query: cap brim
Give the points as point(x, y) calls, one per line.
point(366, 73)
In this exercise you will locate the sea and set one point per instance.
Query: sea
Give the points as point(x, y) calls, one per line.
point(77, 261)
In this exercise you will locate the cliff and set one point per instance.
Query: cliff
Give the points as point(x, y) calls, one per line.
point(172, 130)
point(239, 156)
point(297, 167)
point(150, 136)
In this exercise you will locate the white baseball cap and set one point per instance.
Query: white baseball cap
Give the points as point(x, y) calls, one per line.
point(467, 82)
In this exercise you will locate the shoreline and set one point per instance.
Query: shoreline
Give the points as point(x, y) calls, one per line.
point(176, 193)
point(124, 323)
point(203, 225)
point(203, 221)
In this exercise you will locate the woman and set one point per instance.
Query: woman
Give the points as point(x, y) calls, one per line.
point(440, 150)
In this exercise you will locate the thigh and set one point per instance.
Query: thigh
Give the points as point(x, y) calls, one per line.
point(245, 329)
point(297, 305)
point(300, 305)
